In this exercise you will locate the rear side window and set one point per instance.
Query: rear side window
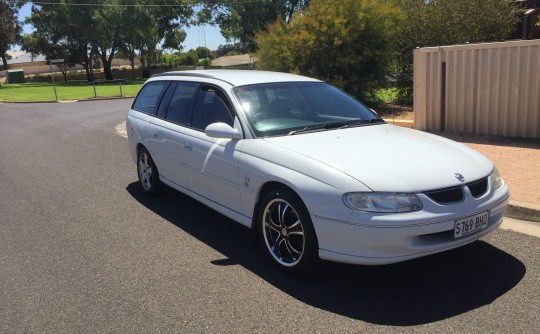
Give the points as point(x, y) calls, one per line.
point(179, 109)
point(148, 98)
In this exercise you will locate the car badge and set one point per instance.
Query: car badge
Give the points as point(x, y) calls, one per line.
point(460, 177)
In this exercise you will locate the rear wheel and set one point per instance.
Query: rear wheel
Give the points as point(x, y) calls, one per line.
point(286, 231)
point(148, 172)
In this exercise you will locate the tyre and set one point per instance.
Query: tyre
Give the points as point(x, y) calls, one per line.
point(286, 231)
point(147, 172)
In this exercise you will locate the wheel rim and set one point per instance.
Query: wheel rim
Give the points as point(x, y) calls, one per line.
point(145, 171)
point(283, 232)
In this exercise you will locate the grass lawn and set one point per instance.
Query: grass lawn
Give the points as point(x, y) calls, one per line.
point(72, 90)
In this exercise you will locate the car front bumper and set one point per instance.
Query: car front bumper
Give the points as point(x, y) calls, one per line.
point(377, 239)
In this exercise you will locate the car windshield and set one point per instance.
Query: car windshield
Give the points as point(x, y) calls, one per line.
point(277, 109)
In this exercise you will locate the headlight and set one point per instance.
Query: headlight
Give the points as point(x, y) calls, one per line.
point(383, 202)
point(496, 178)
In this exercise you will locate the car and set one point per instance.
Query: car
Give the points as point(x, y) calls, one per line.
point(313, 172)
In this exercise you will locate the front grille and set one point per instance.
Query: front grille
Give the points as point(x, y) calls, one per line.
point(445, 196)
point(455, 194)
point(478, 188)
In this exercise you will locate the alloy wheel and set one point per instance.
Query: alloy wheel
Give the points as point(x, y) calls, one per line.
point(283, 232)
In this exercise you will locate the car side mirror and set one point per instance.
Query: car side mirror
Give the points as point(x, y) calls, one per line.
point(222, 130)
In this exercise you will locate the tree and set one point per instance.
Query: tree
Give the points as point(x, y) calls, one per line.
point(275, 47)
point(65, 29)
point(101, 27)
point(241, 20)
point(31, 43)
point(34, 44)
point(227, 50)
point(10, 28)
point(189, 58)
point(134, 39)
point(174, 39)
point(346, 45)
point(203, 53)
point(445, 22)
point(106, 27)
point(160, 23)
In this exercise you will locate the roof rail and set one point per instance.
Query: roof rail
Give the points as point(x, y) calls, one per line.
point(183, 74)
point(189, 74)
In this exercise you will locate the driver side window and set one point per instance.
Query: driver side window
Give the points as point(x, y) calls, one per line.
point(210, 107)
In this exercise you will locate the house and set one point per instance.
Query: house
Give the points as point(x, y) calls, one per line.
point(23, 59)
point(243, 61)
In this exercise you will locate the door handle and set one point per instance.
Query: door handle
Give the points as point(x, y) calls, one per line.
point(188, 147)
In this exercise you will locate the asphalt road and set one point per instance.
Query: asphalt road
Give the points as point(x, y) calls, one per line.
point(82, 250)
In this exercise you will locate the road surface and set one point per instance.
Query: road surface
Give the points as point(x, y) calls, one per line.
point(83, 250)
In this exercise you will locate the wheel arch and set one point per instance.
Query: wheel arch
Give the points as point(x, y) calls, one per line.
point(276, 191)
point(138, 148)
point(265, 189)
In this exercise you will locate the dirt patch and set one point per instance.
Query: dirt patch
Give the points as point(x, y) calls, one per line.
point(395, 111)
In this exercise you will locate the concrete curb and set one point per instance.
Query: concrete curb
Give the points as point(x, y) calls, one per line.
point(106, 98)
point(71, 101)
point(523, 211)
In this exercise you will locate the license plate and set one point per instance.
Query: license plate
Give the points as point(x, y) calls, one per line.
point(468, 225)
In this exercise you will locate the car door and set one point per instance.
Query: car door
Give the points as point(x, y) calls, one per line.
point(166, 133)
point(142, 112)
point(212, 163)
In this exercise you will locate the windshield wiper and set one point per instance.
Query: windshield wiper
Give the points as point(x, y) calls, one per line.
point(323, 126)
point(336, 125)
point(367, 121)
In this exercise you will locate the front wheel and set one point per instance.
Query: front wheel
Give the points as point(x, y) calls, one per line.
point(286, 231)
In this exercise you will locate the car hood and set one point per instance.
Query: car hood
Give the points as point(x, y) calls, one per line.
point(390, 158)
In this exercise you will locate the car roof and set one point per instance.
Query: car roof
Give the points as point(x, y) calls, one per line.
point(238, 77)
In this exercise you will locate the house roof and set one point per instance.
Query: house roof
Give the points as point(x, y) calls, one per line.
point(22, 57)
point(225, 61)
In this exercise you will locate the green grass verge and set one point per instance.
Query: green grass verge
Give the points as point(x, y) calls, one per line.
point(72, 90)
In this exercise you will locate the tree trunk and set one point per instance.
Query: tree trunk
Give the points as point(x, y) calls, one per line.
point(88, 70)
point(106, 66)
point(147, 72)
point(132, 59)
point(145, 67)
point(4, 60)
point(63, 70)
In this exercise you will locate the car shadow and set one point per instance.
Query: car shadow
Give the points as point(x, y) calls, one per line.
point(410, 293)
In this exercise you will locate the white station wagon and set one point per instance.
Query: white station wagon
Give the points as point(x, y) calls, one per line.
point(315, 173)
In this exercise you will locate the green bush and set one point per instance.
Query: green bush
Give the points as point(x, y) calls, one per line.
point(345, 45)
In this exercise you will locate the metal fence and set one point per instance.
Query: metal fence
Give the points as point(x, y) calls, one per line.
point(491, 88)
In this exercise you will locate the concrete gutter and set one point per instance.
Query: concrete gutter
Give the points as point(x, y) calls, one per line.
point(523, 211)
